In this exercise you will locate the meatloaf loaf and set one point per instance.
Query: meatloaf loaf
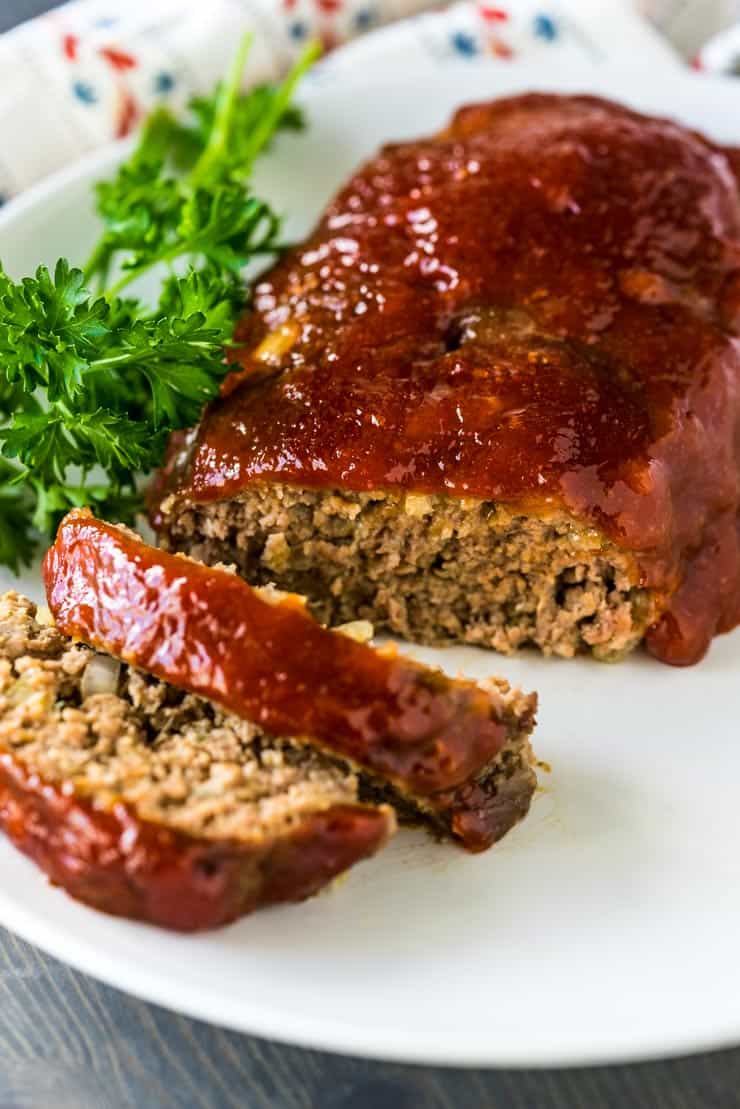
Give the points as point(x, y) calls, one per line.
point(145, 801)
point(494, 397)
point(454, 752)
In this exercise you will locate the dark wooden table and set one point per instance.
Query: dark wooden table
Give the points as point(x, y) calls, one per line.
point(67, 1042)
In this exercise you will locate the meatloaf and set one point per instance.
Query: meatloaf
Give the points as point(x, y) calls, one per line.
point(148, 802)
point(493, 398)
point(453, 752)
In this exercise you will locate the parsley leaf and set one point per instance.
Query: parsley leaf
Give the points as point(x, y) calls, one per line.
point(93, 382)
point(16, 511)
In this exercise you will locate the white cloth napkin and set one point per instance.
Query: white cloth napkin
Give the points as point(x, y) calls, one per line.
point(691, 25)
point(87, 72)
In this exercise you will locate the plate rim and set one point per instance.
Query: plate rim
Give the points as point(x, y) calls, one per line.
point(338, 1037)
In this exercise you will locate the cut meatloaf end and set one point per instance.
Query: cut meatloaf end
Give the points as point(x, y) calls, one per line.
point(494, 396)
point(428, 567)
point(452, 752)
point(147, 802)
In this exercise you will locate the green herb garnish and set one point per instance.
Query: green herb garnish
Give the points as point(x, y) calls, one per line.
point(93, 379)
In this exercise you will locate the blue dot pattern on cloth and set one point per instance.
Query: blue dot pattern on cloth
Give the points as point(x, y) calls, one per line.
point(163, 83)
point(84, 92)
point(464, 44)
point(545, 27)
point(365, 18)
point(298, 30)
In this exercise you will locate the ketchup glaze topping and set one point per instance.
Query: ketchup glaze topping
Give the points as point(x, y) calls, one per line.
point(539, 305)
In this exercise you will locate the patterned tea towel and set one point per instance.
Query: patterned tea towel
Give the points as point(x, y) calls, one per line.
point(87, 72)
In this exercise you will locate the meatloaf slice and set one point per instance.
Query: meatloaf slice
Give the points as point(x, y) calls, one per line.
point(495, 395)
point(453, 751)
point(145, 801)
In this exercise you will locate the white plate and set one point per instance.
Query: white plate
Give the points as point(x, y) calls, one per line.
point(603, 928)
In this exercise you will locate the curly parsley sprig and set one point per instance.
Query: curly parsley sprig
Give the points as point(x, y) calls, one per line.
point(93, 382)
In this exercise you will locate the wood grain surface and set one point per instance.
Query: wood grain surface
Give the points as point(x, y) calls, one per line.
point(68, 1042)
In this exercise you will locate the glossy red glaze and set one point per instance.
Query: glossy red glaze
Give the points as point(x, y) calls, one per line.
point(207, 631)
point(129, 867)
point(539, 306)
